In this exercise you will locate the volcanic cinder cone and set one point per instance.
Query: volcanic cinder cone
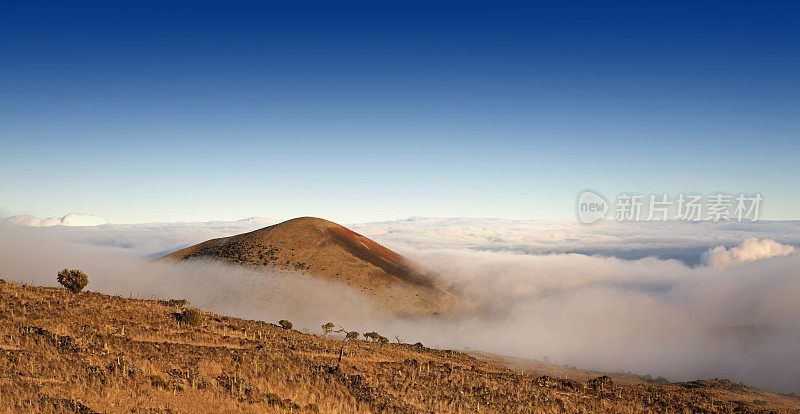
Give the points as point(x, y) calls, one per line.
point(330, 251)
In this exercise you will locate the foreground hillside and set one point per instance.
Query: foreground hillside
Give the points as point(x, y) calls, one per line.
point(332, 252)
point(61, 352)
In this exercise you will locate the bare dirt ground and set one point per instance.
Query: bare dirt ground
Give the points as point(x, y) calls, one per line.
point(61, 352)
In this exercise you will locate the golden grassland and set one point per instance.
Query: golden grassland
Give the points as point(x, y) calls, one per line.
point(62, 352)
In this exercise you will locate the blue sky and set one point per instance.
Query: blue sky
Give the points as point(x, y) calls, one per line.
point(194, 111)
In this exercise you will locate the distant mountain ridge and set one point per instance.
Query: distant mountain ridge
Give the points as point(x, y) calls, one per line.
point(330, 251)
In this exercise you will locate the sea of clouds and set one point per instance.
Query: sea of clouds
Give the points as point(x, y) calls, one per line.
point(675, 299)
point(71, 219)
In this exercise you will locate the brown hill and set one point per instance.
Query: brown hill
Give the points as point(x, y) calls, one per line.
point(330, 251)
point(87, 353)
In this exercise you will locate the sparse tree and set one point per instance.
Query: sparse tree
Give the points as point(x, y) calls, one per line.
point(349, 336)
point(73, 279)
point(327, 328)
point(372, 336)
point(285, 324)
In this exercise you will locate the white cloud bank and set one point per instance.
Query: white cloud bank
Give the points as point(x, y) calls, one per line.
point(750, 250)
point(71, 219)
point(684, 241)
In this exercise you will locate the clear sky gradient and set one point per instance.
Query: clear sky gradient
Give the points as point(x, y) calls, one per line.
point(147, 112)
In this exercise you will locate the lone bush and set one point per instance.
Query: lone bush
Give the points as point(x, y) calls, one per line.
point(190, 316)
point(327, 328)
point(177, 302)
point(73, 279)
point(275, 400)
point(600, 383)
point(158, 382)
point(285, 324)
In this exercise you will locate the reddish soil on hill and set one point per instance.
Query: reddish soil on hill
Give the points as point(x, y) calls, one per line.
point(330, 251)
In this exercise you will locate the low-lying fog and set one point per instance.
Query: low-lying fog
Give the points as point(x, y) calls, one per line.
point(679, 300)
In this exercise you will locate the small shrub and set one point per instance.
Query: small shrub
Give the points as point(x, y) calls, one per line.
point(73, 279)
point(285, 324)
point(383, 340)
point(190, 316)
point(419, 345)
point(600, 383)
point(372, 336)
point(352, 335)
point(327, 328)
point(157, 382)
point(177, 302)
point(275, 400)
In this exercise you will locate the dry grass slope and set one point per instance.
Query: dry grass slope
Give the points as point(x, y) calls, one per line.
point(61, 352)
